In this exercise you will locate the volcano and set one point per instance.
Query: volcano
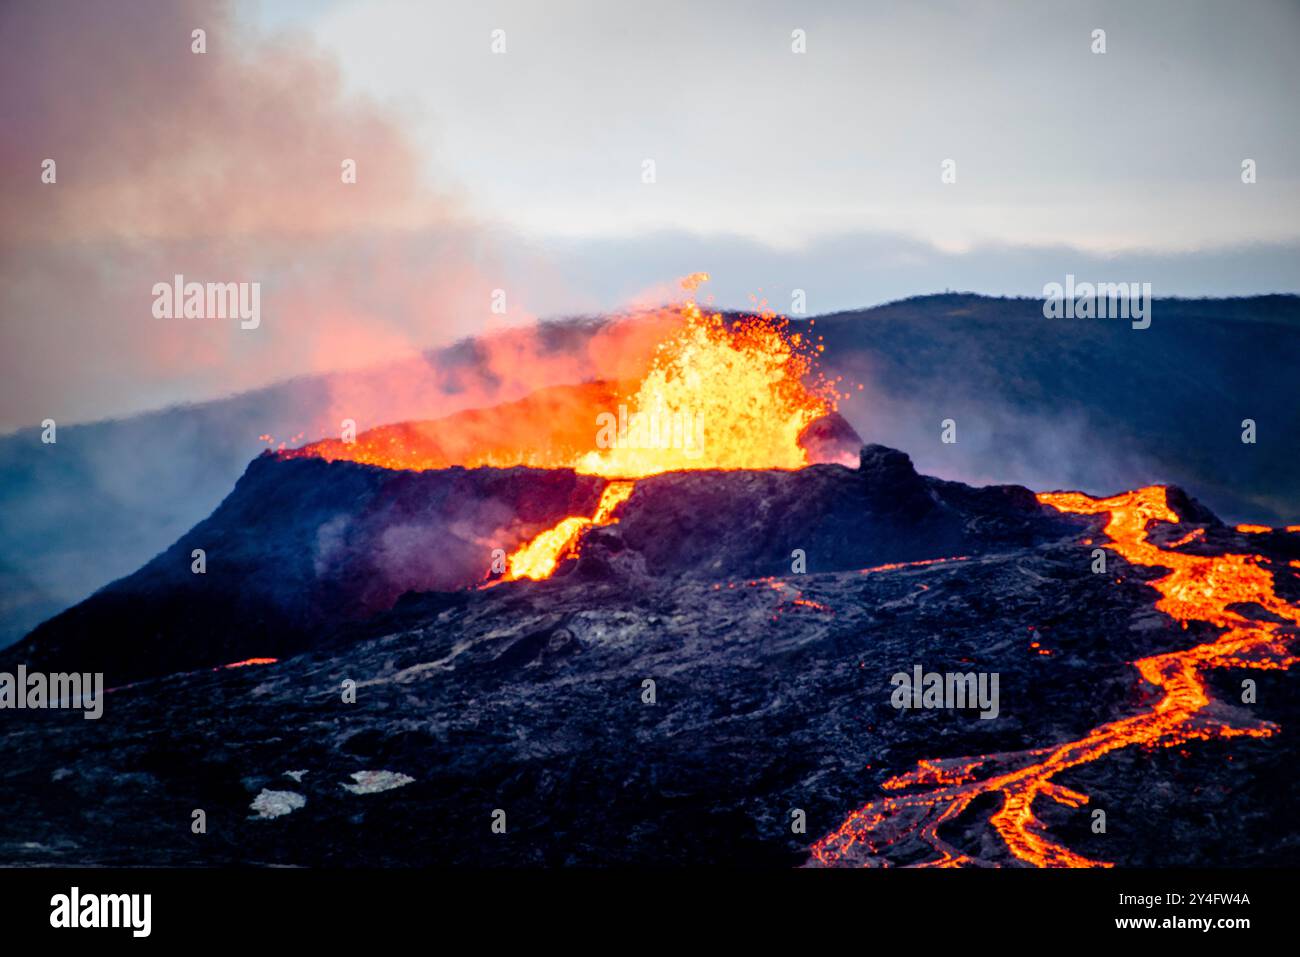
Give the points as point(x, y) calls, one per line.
point(505, 637)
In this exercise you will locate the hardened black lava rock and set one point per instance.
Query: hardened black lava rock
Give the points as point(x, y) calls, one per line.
point(673, 696)
point(303, 547)
point(639, 719)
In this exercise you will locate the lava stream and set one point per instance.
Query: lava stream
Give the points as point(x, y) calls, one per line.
point(538, 557)
point(1197, 588)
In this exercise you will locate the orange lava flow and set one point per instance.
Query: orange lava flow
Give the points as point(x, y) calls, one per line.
point(1193, 535)
point(538, 557)
point(895, 566)
point(1214, 590)
point(251, 661)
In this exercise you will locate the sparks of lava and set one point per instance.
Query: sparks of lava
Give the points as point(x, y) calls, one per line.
point(742, 382)
point(1197, 589)
point(715, 395)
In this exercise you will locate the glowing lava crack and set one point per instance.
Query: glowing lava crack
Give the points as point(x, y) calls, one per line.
point(537, 559)
point(1197, 589)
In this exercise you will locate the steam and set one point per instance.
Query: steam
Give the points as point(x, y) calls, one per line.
point(223, 166)
point(998, 443)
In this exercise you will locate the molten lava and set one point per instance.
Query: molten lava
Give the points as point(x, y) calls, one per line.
point(895, 566)
point(550, 428)
point(248, 662)
point(715, 394)
point(537, 559)
point(1208, 589)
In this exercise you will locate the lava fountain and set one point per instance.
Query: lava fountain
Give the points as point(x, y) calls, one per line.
point(717, 394)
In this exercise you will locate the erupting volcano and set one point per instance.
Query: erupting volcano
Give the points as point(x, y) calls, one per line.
point(501, 585)
point(717, 395)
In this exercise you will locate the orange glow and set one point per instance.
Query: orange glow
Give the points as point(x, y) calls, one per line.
point(537, 559)
point(551, 428)
point(791, 597)
point(251, 661)
point(895, 566)
point(1208, 590)
point(1254, 529)
point(714, 395)
point(741, 385)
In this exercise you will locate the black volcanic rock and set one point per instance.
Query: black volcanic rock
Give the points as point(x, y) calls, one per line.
point(771, 689)
point(892, 479)
point(299, 548)
point(302, 547)
point(883, 466)
point(771, 695)
point(747, 523)
point(1189, 509)
point(830, 439)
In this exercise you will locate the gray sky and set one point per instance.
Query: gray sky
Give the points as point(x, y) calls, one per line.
point(1135, 148)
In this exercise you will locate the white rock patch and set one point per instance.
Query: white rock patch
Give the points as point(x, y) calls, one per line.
point(271, 804)
point(369, 782)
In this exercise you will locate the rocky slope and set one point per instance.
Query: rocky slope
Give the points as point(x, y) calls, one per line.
point(302, 546)
point(770, 695)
